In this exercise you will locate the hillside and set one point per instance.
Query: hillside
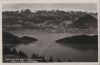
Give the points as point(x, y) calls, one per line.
point(79, 39)
point(48, 20)
point(10, 39)
point(85, 22)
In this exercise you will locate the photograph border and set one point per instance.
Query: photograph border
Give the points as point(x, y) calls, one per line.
point(51, 1)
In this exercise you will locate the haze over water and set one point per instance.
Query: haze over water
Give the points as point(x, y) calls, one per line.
point(46, 45)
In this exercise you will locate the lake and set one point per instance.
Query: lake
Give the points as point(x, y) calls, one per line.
point(46, 45)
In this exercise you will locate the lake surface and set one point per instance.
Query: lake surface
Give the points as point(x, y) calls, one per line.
point(46, 45)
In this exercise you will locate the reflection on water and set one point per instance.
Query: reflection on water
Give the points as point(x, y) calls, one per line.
point(82, 47)
point(46, 45)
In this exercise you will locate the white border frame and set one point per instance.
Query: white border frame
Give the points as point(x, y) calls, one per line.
point(50, 1)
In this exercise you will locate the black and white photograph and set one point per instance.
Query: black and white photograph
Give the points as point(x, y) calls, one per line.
point(49, 32)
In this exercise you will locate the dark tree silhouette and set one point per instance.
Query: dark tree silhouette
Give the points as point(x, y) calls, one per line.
point(33, 56)
point(44, 60)
point(58, 60)
point(51, 59)
point(69, 60)
point(22, 55)
point(14, 51)
point(6, 50)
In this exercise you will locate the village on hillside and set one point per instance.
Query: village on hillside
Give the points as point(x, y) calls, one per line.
point(50, 21)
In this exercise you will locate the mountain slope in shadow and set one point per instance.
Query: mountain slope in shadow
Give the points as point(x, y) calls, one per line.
point(85, 22)
point(80, 42)
point(80, 39)
point(9, 38)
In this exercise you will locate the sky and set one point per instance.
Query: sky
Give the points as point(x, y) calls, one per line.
point(91, 7)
